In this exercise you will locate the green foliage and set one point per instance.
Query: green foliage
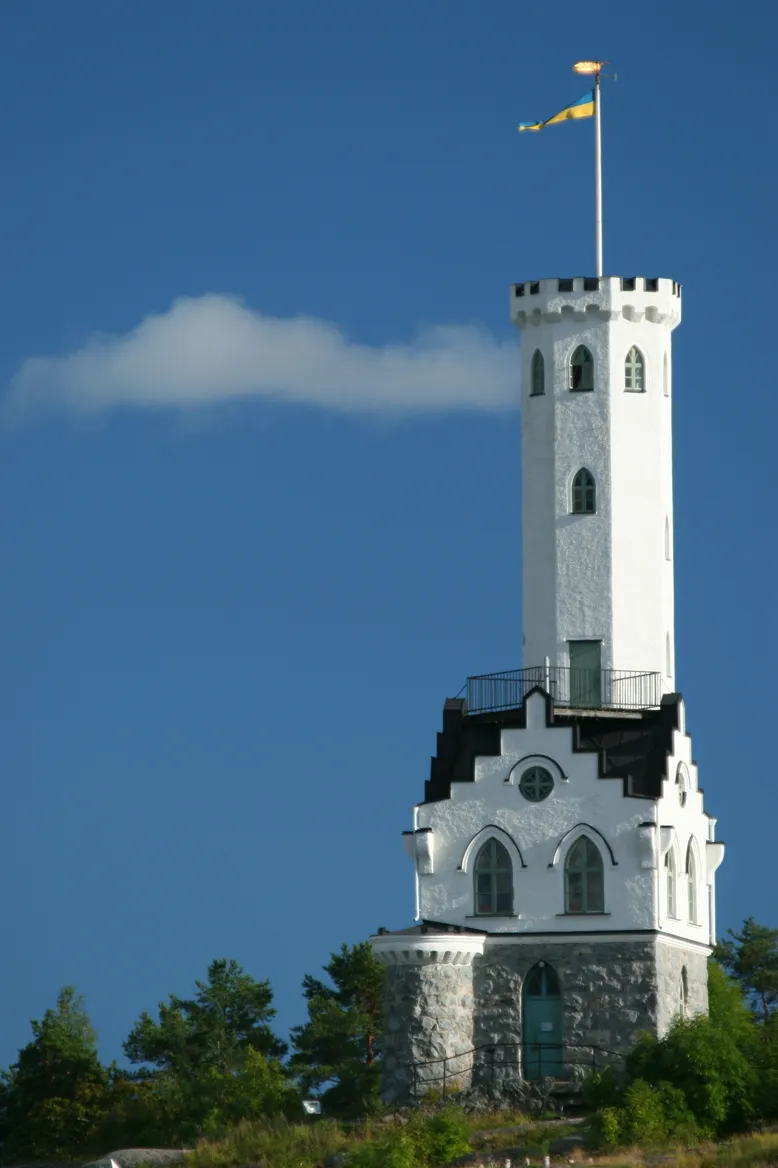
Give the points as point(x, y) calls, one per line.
point(751, 958)
point(215, 1059)
point(273, 1143)
point(425, 1141)
point(228, 1015)
point(337, 1048)
point(56, 1094)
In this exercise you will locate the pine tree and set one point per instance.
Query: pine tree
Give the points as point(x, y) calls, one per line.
point(751, 958)
point(55, 1095)
point(337, 1049)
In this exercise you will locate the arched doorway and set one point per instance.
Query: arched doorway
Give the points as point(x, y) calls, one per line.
point(541, 1023)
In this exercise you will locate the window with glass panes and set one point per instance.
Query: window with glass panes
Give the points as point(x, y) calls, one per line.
point(584, 493)
point(691, 886)
point(670, 883)
point(493, 880)
point(634, 371)
point(584, 879)
point(581, 369)
point(538, 374)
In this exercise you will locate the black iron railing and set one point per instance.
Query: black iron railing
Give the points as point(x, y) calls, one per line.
point(593, 689)
point(496, 1062)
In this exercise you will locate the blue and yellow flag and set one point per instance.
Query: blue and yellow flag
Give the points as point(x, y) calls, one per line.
point(583, 108)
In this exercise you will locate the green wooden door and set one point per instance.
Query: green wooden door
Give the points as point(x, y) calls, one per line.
point(542, 1023)
point(586, 674)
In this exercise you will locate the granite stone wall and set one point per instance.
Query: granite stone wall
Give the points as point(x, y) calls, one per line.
point(611, 992)
point(428, 1015)
point(671, 964)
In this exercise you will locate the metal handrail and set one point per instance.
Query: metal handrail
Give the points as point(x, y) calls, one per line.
point(619, 689)
point(536, 1048)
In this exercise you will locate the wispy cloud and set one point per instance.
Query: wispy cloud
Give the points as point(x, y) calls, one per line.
point(213, 349)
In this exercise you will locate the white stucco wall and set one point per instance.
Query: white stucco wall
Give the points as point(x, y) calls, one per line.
point(639, 832)
point(604, 576)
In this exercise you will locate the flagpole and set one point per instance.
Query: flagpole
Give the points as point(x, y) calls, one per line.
point(597, 176)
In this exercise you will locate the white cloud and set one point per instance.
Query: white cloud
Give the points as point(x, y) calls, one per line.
point(213, 349)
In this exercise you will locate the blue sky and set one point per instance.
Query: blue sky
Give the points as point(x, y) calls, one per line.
point(232, 604)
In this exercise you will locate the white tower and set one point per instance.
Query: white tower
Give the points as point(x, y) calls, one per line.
point(597, 485)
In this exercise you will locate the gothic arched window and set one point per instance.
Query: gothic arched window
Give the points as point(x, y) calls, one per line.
point(581, 369)
point(691, 885)
point(683, 994)
point(584, 493)
point(634, 371)
point(538, 374)
point(584, 881)
point(672, 907)
point(493, 880)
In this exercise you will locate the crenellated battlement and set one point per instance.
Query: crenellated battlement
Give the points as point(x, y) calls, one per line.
point(582, 298)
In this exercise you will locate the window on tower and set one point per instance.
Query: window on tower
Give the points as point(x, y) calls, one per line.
point(493, 880)
point(584, 493)
point(691, 884)
point(634, 371)
point(672, 908)
point(584, 880)
point(581, 369)
point(538, 377)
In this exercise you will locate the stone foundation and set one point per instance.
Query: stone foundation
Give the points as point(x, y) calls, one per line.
point(442, 1001)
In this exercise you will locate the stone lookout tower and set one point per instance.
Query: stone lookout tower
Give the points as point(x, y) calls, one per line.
point(564, 864)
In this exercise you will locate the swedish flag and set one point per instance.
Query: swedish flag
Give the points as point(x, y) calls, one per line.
point(583, 108)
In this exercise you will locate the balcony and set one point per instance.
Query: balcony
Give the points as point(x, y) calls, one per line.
point(579, 689)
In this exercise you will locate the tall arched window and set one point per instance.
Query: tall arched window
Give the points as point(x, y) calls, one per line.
point(691, 885)
point(634, 371)
point(538, 374)
point(666, 377)
point(584, 880)
point(493, 880)
point(683, 994)
point(581, 369)
point(670, 884)
point(584, 493)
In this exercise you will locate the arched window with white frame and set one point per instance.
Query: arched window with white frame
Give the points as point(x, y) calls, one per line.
point(537, 374)
point(584, 878)
point(493, 875)
point(671, 892)
point(635, 371)
point(581, 369)
point(584, 493)
point(691, 884)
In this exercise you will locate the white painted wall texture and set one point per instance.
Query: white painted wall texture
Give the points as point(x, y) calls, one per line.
point(603, 576)
point(640, 833)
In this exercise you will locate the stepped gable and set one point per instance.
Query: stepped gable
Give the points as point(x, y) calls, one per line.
point(633, 747)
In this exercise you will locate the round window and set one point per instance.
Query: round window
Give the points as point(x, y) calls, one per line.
point(536, 784)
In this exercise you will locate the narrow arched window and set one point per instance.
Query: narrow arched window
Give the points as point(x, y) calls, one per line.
point(584, 493)
point(667, 538)
point(581, 369)
point(538, 374)
point(493, 880)
point(666, 377)
point(584, 880)
point(670, 883)
point(634, 371)
point(683, 994)
point(691, 885)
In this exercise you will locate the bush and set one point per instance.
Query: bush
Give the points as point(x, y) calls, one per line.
point(426, 1141)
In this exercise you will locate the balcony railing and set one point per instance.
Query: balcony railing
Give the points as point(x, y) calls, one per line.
point(590, 689)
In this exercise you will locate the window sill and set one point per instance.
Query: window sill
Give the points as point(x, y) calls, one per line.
point(492, 917)
point(584, 914)
point(575, 390)
point(633, 390)
point(543, 394)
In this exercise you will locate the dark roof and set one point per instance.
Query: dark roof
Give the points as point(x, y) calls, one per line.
point(632, 746)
